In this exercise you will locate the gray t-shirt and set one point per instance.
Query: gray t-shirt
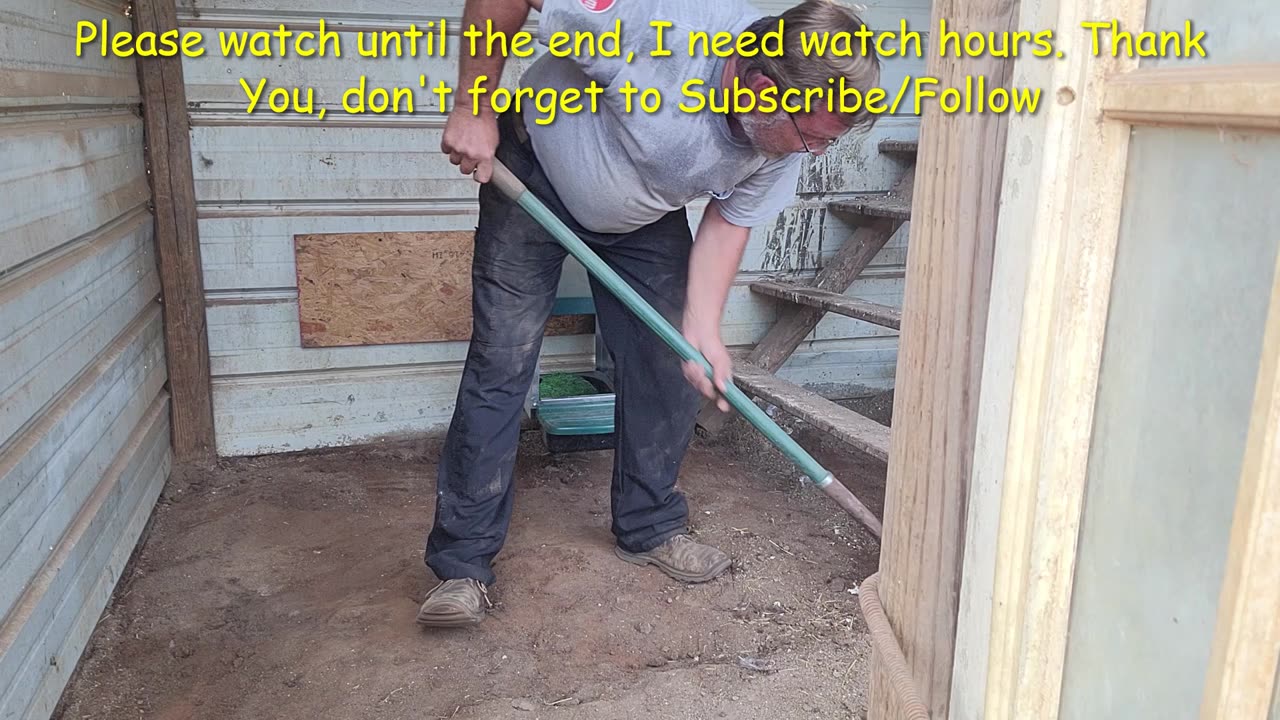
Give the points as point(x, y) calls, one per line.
point(617, 171)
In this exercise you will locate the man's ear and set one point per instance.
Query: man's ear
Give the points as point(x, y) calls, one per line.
point(758, 81)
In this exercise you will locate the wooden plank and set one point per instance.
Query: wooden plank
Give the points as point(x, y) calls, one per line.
point(876, 313)
point(177, 236)
point(857, 430)
point(1217, 96)
point(937, 390)
point(878, 206)
point(1004, 320)
point(1072, 241)
point(1241, 679)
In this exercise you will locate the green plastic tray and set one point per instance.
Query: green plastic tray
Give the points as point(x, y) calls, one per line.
point(584, 415)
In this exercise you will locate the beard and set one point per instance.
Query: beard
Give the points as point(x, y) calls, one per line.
point(761, 130)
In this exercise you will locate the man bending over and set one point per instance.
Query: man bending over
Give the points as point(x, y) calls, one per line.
point(621, 181)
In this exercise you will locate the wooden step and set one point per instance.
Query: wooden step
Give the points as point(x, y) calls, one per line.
point(894, 207)
point(905, 148)
point(859, 431)
point(883, 315)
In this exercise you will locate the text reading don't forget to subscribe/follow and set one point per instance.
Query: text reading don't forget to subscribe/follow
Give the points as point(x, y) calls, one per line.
point(974, 93)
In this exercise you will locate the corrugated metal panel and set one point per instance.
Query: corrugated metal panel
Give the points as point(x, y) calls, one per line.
point(84, 439)
point(262, 178)
point(38, 65)
point(58, 321)
point(64, 178)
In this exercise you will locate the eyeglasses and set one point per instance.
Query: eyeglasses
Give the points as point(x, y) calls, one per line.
point(825, 143)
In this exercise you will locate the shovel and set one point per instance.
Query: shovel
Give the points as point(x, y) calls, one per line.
point(513, 188)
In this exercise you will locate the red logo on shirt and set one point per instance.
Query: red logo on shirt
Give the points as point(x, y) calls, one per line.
point(597, 6)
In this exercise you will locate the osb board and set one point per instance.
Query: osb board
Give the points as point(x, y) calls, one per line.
point(389, 288)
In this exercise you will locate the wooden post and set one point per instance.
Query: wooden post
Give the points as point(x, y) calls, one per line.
point(948, 284)
point(177, 237)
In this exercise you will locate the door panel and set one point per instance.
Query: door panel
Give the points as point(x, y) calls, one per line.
point(1193, 274)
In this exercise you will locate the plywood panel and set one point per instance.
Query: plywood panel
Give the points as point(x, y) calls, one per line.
point(391, 288)
point(384, 288)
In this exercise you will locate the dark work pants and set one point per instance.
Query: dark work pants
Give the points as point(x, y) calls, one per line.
point(515, 275)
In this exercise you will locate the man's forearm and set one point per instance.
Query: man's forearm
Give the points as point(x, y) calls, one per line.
point(713, 265)
point(507, 16)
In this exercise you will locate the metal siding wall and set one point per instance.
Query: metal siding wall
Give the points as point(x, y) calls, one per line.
point(84, 441)
point(262, 178)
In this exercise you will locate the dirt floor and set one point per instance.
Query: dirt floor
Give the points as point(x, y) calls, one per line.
point(286, 587)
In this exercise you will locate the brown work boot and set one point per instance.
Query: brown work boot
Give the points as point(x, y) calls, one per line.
point(454, 603)
point(681, 558)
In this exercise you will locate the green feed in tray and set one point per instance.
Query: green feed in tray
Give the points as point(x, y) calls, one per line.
point(560, 385)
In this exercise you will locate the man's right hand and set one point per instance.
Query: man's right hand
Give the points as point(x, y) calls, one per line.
point(470, 141)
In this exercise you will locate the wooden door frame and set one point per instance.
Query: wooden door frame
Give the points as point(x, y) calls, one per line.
point(1058, 228)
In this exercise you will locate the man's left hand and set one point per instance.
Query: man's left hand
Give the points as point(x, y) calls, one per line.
point(709, 344)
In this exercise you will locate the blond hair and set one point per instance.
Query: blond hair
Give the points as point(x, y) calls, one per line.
point(793, 69)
